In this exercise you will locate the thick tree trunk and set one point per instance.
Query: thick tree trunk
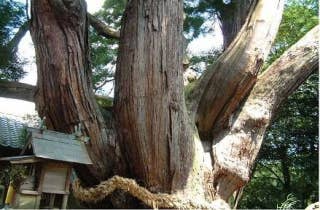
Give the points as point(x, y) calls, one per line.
point(152, 123)
point(232, 17)
point(218, 92)
point(160, 146)
point(64, 90)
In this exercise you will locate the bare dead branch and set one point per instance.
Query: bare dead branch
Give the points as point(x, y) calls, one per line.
point(102, 28)
point(14, 42)
point(17, 90)
point(288, 72)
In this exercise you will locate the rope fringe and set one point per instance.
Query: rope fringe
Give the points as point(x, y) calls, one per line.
point(159, 200)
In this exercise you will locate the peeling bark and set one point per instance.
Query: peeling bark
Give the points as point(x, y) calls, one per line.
point(289, 71)
point(235, 149)
point(220, 89)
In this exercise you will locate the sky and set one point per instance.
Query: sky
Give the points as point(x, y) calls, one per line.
point(17, 108)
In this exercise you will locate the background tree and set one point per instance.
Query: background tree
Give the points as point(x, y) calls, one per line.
point(104, 51)
point(13, 27)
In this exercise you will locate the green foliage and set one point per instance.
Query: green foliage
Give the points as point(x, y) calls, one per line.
point(104, 51)
point(291, 141)
point(298, 18)
point(199, 63)
point(197, 13)
point(263, 190)
point(12, 17)
point(289, 203)
point(104, 102)
point(15, 174)
point(4, 175)
point(32, 120)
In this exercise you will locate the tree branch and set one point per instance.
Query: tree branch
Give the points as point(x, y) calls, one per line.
point(102, 28)
point(289, 71)
point(22, 91)
point(14, 42)
point(274, 173)
point(97, 24)
point(236, 148)
point(220, 89)
point(17, 90)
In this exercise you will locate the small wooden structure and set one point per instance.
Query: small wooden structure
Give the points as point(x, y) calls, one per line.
point(2, 189)
point(48, 157)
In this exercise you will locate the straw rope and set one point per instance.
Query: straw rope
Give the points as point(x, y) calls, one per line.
point(155, 200)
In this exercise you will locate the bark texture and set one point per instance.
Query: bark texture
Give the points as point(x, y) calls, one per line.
point(160, 146)
point(235, 149)
point(220, 89)
point(64, 90)
point(232, 17)
point(152, 122)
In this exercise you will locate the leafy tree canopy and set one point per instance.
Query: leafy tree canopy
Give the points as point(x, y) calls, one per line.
point(298, 18)
point(12, 18)
point(104, 51)
point(198, 12)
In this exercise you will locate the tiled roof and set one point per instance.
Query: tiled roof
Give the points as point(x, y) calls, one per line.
point(11, 133)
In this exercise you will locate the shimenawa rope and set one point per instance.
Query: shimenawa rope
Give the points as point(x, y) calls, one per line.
point(156, 200)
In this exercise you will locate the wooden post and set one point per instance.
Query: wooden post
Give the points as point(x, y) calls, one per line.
point(51, 202)
point(64, 201)
point(67, 186)
point(38, 199)
point(41, 179)
point(10, 194)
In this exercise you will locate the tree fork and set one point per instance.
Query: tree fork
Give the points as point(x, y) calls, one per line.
point(159, 143)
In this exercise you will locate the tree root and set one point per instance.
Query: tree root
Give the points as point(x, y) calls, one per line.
point(155, 200)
